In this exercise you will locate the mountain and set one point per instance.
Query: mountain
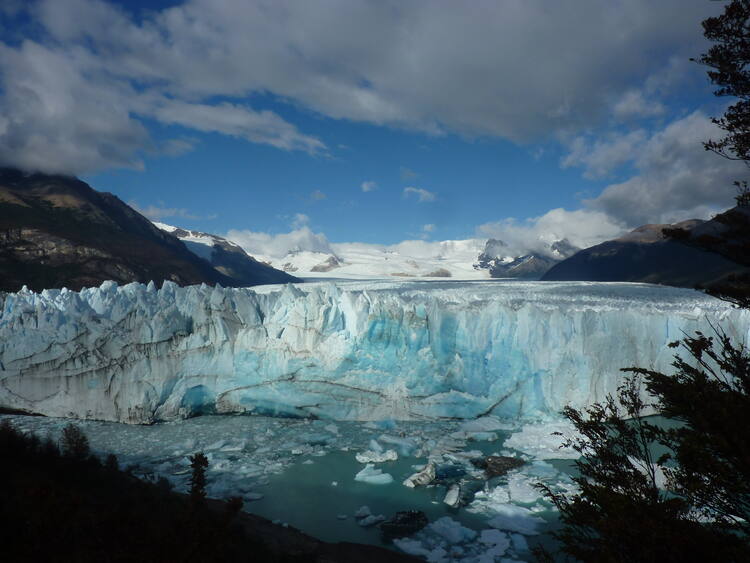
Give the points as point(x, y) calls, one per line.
point(56, 231)
point(692, 253)
point(408, 259)
point(227, 257)
point(500, 264)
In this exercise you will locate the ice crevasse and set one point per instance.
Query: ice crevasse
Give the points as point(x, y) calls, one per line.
point(348, 351)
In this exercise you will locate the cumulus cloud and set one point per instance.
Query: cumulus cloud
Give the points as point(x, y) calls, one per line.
point(369, 186)
point(582, 228)
point(279, 245)
point(634, 103)
point(74, 97)
point(676, 177)
point(599, 157)
point(300, 220)
point(264, 127)
point(422, 195)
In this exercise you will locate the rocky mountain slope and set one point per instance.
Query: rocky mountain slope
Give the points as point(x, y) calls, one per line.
point(692, 253)
point(227, 257)
point(496, 260)
point(56, 231)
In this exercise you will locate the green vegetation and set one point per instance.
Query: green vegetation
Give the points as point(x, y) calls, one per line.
point(65, 506)
point(693, 502)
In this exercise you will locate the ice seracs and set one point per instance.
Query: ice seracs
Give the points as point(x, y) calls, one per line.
point(345, 351)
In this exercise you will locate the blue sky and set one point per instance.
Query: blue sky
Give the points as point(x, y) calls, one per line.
point(371, 122)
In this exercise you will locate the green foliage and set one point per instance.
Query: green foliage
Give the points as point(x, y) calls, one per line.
point(728, 60)
point(711, 398)
point(198, 464)
point(58, 507)
point(700, 506)
point(74, 442)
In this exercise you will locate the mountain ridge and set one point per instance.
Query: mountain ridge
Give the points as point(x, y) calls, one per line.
point(57, 231)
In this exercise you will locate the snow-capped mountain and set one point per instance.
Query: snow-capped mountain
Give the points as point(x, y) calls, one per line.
point(227, 257)
point(57, 231)
point(495, 258)
point(408, 259)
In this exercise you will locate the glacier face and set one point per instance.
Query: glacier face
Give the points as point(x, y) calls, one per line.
point(415, 350)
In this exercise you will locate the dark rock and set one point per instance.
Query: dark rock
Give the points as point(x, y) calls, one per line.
point(687, 254)
point(56, 231)
point(330, 264)
point(403, 524)
point(497, 465)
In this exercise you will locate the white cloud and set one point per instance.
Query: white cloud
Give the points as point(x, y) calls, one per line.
point(279, 245)
point(300, 220)
point(599, 157)
point(178, 147)
point(582, 228)
point(633, 103)
point(74, 96)
point(317, 195)
point(676, 177)
point(264, 127)
point(369, 186)
point(428, 228)
point(421, 194)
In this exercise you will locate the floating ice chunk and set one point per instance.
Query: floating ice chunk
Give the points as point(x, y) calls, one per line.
point(369, 456)
point(521, 488)
point(308, 462)
point(485, 424)
point(334, 483)
point(495, 538)
point(437, 555)
point(253, 496)
point(516, 519)
point(519, 543)
point(453, 496)
point(371, 520)
point(421, 478)
point(412, 547)
point(542, 441)
point(332, 428)
point(362, 512)
point(481, 436)
point(486, 501)
point(342, 516)
point(405, 445)
point(373, 476)
point(451, 530)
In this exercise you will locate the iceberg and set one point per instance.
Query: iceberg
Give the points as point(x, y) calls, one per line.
point(339, 351)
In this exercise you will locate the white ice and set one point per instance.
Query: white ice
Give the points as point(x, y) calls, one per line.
point(344, 351)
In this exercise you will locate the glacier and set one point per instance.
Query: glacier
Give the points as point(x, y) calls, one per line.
point(342, 351)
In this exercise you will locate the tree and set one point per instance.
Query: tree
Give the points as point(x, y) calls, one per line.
point(199, 464)
point(74, 442)
point(728, 60)
point(711, 400)
point(700, 510)
point(692, 502)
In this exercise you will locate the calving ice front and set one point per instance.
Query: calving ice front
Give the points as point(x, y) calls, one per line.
point(346, 351)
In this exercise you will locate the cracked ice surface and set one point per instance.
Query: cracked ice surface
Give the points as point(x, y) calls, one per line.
point(343, 351)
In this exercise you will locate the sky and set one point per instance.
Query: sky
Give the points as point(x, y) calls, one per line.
point(302, 123)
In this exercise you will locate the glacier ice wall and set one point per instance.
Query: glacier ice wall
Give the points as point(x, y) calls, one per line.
point(345, 351)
